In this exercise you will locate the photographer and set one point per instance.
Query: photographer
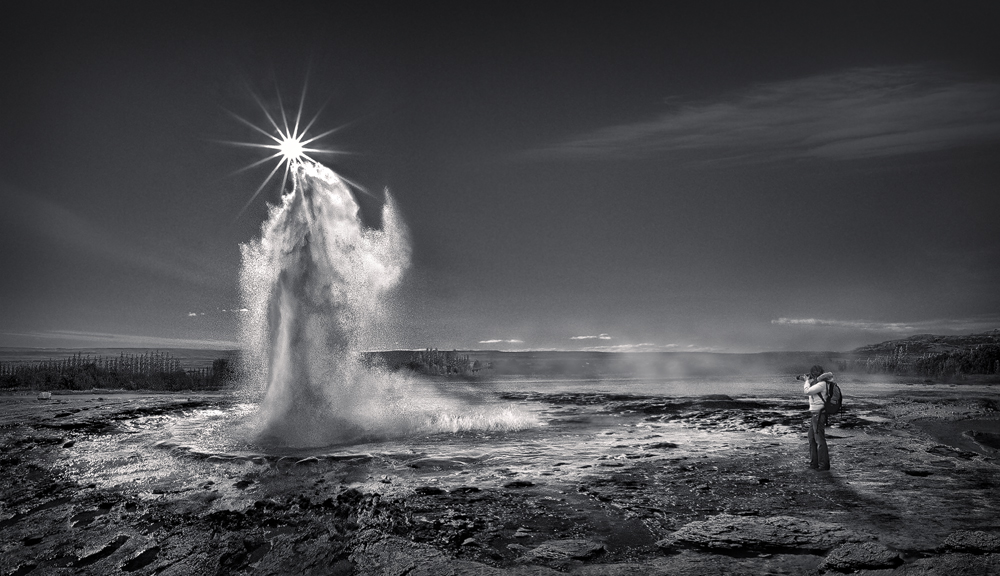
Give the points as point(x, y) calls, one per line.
point(814, 385)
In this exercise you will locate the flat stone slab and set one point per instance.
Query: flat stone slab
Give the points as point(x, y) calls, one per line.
point(576, 549)
point(379, 554)
point(973, 541)
point(734, 533)
point(855, 556)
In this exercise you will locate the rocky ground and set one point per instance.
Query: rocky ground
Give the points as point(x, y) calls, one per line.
point(709, 485)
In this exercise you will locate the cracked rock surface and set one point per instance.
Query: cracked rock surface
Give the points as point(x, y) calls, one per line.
point(611, 484)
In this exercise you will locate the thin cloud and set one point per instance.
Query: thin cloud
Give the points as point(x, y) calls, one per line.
point(940, 325)
point(641, 347)
point(40, 218)
point(107, 340)
point(598, 337)
point(223, 311)
point(856, 324)
point(856, 113)
point(497, 341)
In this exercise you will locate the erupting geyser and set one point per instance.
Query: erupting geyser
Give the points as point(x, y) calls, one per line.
point(315, 285)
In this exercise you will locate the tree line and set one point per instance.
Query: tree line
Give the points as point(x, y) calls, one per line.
point(981, 359)
point(147, 371)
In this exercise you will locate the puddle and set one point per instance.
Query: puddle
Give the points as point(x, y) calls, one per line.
point(963, 434)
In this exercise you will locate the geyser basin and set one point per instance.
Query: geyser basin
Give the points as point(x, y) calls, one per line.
point(317, 285)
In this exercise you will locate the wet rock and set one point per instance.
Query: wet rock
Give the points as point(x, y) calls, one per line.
point(973, 541)
point(243, 554)
point(855, 556)
point(661, 446)
point(437, 464)
point(103, 553)
point(357, 458)
point(942, 450)
point(378, 553)
point(734, 533)
point(464, 490)
point(958, 564)
point(83, 519)
point(24, 569)
point(575, 549)
point(428, 490)
point(519, 484)
point(141, 560)
point(69, 444)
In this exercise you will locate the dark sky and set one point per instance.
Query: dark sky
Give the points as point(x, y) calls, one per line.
point(732, 177)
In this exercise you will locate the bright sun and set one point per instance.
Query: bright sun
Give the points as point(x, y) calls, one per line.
point(290, 144)
point(291, 148)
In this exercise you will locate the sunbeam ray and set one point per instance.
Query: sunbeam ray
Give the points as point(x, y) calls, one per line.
point(255, 164)
point(284, 178)
point(315, 117)
point(281, 107)
point(254, 197)
point(268, 114)
point(254, 126)
point(356, 186)
point(302, 103)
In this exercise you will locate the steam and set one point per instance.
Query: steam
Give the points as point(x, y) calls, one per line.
point(317, 286)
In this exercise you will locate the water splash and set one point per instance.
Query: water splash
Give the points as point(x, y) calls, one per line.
point(317, 285)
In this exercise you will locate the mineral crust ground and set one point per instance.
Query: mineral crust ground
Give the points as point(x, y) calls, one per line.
point(610, 484)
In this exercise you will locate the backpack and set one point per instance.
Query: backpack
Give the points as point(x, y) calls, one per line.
point(833, 402)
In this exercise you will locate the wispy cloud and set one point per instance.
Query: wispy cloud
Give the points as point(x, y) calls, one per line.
point(856, 113)
point(38, 217)
point(940, 325)
point(598, 337)
point(71, 338)
point(651, 347)
point(222, 311)
point(498, 341)
point(856, 324)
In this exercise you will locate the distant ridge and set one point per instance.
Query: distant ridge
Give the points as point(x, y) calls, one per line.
point(931, 344)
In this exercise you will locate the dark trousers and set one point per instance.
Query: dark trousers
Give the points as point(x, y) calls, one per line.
point(819, 455)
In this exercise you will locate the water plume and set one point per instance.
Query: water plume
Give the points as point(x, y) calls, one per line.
point(317, 285)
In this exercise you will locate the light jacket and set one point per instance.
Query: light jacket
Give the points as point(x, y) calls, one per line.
point(813, 388)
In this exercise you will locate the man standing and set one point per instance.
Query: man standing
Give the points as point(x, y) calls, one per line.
point(815, 385)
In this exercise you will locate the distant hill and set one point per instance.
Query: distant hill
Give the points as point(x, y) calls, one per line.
point(931, 344)
point(931, 355)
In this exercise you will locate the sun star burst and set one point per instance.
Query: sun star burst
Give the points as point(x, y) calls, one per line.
point(289, 141)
